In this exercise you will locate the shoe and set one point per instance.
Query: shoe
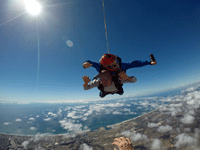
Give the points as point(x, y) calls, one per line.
point(121, 92)
point(102, 94)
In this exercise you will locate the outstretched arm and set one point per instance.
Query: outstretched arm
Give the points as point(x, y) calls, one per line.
point(89, 63)
point(87, 85)
point(138, 63)
point(86, 80)
point(134, 64)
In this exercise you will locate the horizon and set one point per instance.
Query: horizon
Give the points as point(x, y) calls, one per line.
point(100, 99)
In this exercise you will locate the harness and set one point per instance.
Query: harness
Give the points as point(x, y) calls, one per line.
point(115, 77)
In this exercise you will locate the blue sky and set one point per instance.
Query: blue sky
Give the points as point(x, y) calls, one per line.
point(168, 29)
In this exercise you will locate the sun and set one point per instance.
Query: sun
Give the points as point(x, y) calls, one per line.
point(33, 7)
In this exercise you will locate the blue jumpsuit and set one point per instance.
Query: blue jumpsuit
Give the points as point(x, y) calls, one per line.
point(124, 67)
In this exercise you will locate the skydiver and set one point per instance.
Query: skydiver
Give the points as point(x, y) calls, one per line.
point(106, 81)
point(113, 64)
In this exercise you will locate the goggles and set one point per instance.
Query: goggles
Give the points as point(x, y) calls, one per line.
point(113, 66)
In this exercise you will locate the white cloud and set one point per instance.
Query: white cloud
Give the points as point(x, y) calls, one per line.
point(39, 136)
point(84, 118)
point(185, 139)
point(152, 125)
point(47, 119)
point(80, 106)
point(33, 128)
point(85, 127)
point(144, 104)
point(68, 125)
point(88, 113)
point(52, 114)
point(187, 119)
point(18, 120)
point(71, 114)
point(156, 145)
point(85, 147)
point(135, 137)
point(164, 129)
point(37, 116)
point(59, 112)
point(32, 119)
point(25, 143)
point(126, 109)
point(7, 123)
point(117, 113)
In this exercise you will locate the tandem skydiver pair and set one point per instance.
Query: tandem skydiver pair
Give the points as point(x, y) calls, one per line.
point(112, 74)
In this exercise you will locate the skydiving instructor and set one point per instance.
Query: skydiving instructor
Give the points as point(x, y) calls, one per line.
point(110, 65)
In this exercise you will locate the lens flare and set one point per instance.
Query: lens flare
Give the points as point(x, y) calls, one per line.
point(70, 43)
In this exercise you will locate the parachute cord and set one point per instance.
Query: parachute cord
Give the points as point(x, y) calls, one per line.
point(105, 26)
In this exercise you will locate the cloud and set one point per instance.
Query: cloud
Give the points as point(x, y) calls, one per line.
point(88, 113)
point(47, 119)
point(103, 107)
point(59, 112)
point(33, 128)
point(18, 120)
point(126, 109)
point(85, 147)
point(117, 113)
point(37, 116)
point(68, 125)
point(191, 89)
point(144, 103)
point(32, 119)
point(184, 139)
point(7, 123)
point(135, 137)
point(25, 143)
point(52, 114)
point(164, 129)
point(187, 119)
point(152, 125)
point(84, 118)
point(156, 145)
point(173, 109)
point(39, 136)
point(71, 114)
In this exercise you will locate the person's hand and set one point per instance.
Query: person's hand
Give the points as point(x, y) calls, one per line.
point(123, 143)
point(86, 65)
point(123, 76)
point(86, 79)
point(153, 62)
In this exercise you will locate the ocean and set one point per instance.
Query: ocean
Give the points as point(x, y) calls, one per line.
point(61, 118)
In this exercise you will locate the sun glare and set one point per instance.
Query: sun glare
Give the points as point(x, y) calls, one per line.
point(33, 7)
